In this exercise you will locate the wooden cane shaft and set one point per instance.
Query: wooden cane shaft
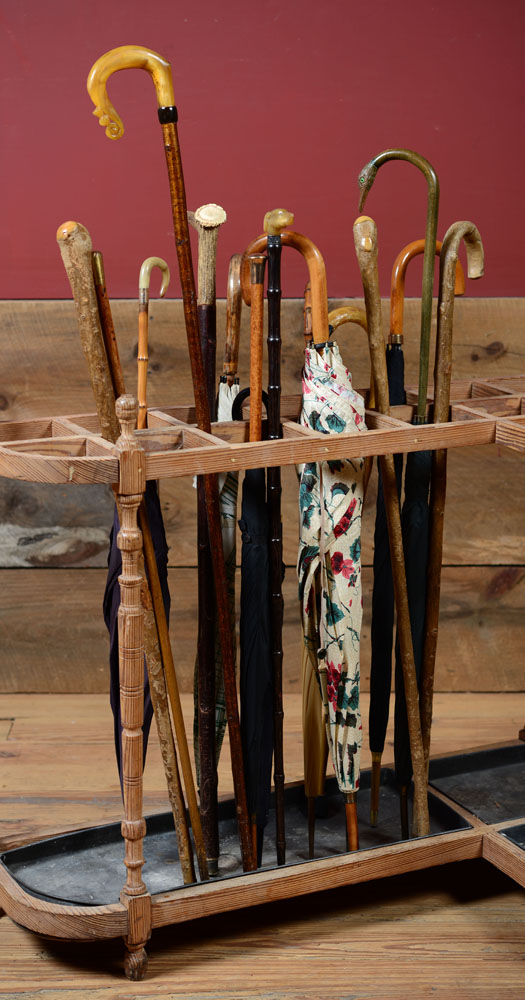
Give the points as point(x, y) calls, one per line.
point(256, 346)
point(75, 248)
point(352, 828)
point(159, 700)
point(106, 322)
point(233, 318)
point(180, 222)
point(274, 517)
point(142, 365)
point(365, 237)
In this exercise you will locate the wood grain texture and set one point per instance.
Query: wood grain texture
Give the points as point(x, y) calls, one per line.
point(452, 931)
point(480, 644)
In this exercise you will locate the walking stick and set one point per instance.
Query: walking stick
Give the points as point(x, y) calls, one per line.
point(467, 232)
point(106, 323)
point(365, 239)
point(274, 223)
point(366, 179)
point(143, 357)
point(125, 57)
point(397, 285)
point(233, 319)
point(338, 317)
point(207, 220)
point(75, 247)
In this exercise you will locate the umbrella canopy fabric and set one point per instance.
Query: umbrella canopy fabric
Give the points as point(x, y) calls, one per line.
point(329, 560)
point(111, 604)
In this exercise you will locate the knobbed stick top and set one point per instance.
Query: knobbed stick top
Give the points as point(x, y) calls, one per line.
point(365, 240)
point(127, 57)
point(207, 220)
point(76, 250)
point(275, 221)
point(397, 285)
point(467, 232)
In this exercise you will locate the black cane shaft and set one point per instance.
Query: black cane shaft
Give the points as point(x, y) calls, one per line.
point(276, 544)
point(206, 622)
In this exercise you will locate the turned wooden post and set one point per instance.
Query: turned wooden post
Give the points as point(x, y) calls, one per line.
point(132, 483)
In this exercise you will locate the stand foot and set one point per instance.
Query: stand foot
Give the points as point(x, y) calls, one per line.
point(135, 964)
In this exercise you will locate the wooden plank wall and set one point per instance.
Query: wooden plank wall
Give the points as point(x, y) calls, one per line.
point(53, 540)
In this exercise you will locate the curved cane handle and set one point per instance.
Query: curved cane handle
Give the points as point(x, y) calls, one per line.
point(145, 274)
point(127, 57)
point(397, 283)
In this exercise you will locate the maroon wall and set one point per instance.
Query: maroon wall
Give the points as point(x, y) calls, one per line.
point(280, 103)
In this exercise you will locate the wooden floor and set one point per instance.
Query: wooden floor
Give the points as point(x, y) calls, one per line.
point(453, 932)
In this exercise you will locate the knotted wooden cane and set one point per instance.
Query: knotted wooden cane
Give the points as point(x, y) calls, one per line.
point(159, 69)
point(75, 248)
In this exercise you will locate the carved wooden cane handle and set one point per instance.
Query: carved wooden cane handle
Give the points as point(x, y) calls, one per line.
point(127, 57)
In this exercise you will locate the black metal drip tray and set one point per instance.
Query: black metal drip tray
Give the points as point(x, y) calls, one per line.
point(516, 834)
point(489, 783)
point(87, 868)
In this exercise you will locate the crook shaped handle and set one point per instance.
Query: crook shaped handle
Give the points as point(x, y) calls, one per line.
point(145, 275)
point(316, 271)
point(397, 284)
point(127, 57)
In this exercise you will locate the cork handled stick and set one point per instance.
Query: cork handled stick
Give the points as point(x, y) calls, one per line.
point(467, 232)
point(365, 239)
point(143, 350)
point(207, 220)
point(75, 248)
point(159, 69)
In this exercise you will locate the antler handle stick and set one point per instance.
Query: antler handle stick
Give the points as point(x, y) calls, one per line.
point(126, 57)
point(207, 220)
point(143, 355)
point(365, 239)
point(468, 232)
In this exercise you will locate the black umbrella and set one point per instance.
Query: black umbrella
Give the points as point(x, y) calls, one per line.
point(256, 672)
point(111, 605)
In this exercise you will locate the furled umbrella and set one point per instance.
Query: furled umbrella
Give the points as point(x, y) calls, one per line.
point(315, 744)
point(126, 57)
point(343, 724)
point(467, 232)
point(207, 220)
point(365, 239)
point(256, 666)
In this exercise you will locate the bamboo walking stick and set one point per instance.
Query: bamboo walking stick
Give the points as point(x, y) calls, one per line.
point(143, 352)
point(75, 248)
point(126, 57)
point(365, 239)
point(207, 220)
point(467, 232)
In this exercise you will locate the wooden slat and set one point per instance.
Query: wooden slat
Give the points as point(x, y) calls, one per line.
point(480, 644)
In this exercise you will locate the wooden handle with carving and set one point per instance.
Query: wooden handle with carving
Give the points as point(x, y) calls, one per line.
point(127, 57)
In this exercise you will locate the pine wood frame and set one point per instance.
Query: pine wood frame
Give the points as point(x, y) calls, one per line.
point(70, 449)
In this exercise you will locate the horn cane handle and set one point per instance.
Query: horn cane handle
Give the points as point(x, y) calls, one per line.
point(127, 57)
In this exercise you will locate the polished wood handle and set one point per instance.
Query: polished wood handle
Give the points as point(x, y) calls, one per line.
point(397, 283)
point(127, 57)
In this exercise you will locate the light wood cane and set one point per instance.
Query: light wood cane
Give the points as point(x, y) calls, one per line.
point(365, 239)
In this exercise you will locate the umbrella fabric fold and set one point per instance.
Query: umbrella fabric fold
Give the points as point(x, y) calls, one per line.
point(329, 564)
point(111, 603)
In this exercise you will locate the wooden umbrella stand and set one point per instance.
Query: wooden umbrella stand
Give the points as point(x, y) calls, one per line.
point(71, 450)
